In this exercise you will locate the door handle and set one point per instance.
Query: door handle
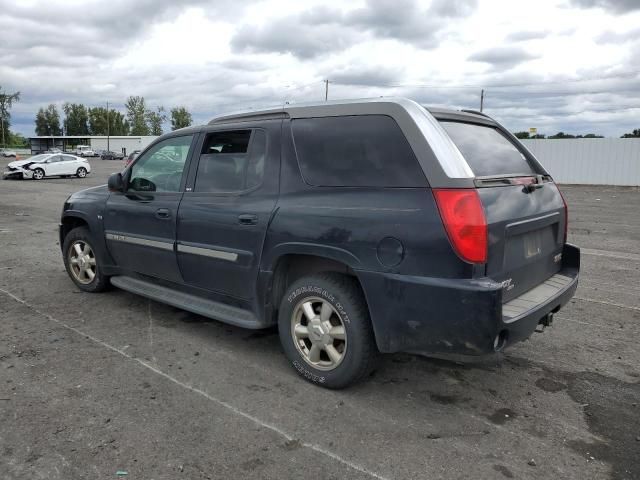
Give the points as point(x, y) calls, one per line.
point(247, 219)
point(163, 213)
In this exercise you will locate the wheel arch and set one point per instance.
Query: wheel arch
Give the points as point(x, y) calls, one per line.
point(70, 221)
point(293, 261)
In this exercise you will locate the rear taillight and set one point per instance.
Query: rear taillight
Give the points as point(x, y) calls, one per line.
point(566, 215)
point(465, 223)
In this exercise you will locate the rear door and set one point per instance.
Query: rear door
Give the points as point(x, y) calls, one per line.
point(225, 211)
point(524, 209)
point(54, 165)
point(69, 165)
point(140, 223)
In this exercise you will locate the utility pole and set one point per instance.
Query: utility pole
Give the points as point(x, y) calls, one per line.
point(108, 149)
point(481, 99)
point(326, 90)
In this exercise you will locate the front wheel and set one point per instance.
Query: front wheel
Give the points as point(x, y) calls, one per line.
point(325, 330)
point(38, 174)
point(82, 172)
point(81, 261)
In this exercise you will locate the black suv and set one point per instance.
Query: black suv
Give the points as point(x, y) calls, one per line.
point(357, 227)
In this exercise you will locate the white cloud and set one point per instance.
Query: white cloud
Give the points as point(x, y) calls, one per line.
point(557, 64)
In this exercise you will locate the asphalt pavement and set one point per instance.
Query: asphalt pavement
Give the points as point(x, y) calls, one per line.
point(96, 384)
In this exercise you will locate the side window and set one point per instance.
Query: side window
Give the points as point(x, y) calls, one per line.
point(67, 158)
point(231, 161)
point(55, 159)
point(160, 169)
point(355, 151)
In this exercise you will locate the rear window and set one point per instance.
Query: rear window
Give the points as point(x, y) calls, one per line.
point(487, 151)
point(355, 151)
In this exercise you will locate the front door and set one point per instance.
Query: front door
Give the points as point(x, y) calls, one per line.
point(222, 221)
point(140, 223)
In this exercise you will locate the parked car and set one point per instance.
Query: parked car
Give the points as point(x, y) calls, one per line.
point(132, 156)
point(5, 152)
point(85, 151)
point(356, 227)
point(109, 155)
point(48, 165)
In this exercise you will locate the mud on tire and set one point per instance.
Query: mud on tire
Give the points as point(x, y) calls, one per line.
point(357, 350)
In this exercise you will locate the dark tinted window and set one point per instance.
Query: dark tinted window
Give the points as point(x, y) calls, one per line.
point(231, 161)
point(487, 151)
point(355, 151)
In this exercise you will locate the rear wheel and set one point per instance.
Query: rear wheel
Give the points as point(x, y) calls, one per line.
point(81, 262)
point(38, 174)
point(325, 330)
point(81, 172)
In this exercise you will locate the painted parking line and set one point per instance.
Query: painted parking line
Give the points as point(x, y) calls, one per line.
point(228, 406)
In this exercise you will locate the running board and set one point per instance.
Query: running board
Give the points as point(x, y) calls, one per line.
point(207, 308)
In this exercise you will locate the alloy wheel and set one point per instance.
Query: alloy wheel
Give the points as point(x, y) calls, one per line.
point(82, 262)
point(319, 333)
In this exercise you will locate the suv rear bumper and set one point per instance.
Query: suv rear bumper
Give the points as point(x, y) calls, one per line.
point(434, 315)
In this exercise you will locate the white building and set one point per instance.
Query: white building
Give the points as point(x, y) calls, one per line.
point(124, 144)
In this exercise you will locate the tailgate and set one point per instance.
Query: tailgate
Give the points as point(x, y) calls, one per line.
point(525, 235)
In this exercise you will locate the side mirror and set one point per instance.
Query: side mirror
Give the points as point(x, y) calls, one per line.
point(116, 183)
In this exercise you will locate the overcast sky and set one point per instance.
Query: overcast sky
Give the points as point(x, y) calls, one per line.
point(571, 65)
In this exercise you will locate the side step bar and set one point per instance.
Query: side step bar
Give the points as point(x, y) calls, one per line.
point(207, 308)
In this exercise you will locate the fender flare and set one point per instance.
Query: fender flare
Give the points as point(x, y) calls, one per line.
point(337, 254)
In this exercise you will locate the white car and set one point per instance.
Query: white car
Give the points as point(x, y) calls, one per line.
point(85, 151)
point(5, 152)
point(48, 165)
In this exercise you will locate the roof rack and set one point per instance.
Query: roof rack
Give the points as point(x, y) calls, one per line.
point(475, 111)
point(248, 117)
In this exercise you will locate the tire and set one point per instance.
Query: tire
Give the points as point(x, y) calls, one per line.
point(81, 172)
point(357, 349)
point(78, 272)
point(38, 174)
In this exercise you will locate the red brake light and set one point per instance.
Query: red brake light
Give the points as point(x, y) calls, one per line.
point(465, 223)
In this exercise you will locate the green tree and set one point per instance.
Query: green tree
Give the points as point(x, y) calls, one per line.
point(118, 124)
point(562, 135)
point(6, 102)
point(98, 118)
point(76, 120)
point(522, 135)
point(98, 121)
point(48, 121)
point(136, 115)
point(180, 118)
point(155, 120)
point(634, 134)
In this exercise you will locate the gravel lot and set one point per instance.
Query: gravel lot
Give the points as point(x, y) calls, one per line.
point(95, 384)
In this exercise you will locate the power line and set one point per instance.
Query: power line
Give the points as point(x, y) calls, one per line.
point(490, 85)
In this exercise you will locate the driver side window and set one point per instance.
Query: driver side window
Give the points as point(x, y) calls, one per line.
point(161, 168)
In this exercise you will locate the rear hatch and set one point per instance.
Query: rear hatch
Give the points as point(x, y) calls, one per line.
point(525, 212)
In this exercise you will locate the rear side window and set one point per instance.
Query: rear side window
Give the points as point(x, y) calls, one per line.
point(355, 151)
point(231, 161)
point(487, 151)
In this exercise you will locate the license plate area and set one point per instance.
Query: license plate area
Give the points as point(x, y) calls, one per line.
point(532, 243)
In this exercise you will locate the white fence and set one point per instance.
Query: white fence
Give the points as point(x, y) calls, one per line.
point(592, 161)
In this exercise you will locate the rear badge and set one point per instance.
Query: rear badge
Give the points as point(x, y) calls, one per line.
point(557, 258)
point(507, 284)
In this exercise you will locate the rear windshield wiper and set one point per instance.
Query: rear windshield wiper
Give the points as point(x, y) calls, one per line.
point(532, 182)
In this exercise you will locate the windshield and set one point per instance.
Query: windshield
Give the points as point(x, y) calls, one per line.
point(38, 158)
point(487, 151)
